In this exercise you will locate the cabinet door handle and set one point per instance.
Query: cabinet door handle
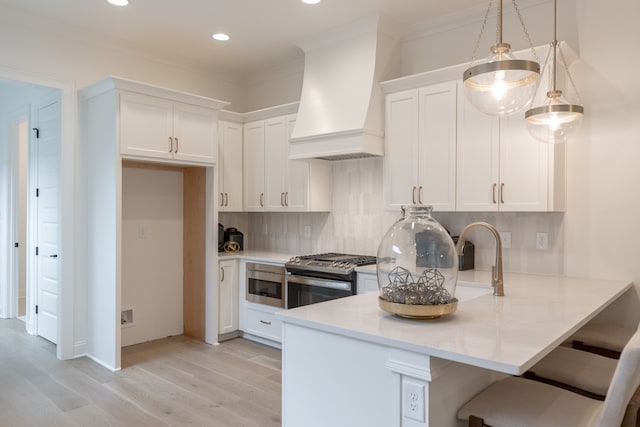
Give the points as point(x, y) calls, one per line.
point(281, 199)
point(171, 144)
point(286, 198)
point(420, 195)
point(221, 198)
point(222, 274)
point(494, 193)
point(261, 200)
point(264, 322)
point(502, 192)
point(226, 199)
point(177, 144)
point(413, 195)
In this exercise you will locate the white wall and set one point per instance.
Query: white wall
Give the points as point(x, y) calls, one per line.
point(152, 263)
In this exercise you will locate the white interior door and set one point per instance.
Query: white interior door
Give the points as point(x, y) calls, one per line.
point(47, 152)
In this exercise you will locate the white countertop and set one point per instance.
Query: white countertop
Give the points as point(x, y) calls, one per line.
point(265, 256)
point(507, 334)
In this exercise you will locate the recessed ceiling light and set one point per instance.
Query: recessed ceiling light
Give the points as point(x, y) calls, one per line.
point(221, 37)
point(310, 1)
point(119, 2)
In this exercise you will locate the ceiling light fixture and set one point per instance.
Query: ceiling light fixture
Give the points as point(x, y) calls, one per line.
point(221, 37)
point(501, 84)
point(310, 1)
point(119, 2)
point(556, 117)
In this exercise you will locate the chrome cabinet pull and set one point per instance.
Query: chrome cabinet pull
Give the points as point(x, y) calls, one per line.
point(420, 195)
point(171, 144)
point(261, 200)
point(502, 193)
point(222, 274)
point(177, 144)
point(264, 322)
point(413, 195)
point(494, 193)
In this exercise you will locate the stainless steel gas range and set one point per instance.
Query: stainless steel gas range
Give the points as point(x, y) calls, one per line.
point(315, 278)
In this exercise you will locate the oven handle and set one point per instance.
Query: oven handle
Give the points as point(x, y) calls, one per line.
point(322, 283)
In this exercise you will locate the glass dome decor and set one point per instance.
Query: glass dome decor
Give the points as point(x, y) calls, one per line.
point(417, 267)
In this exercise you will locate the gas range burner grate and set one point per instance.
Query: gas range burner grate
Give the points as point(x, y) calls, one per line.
point(333, 257)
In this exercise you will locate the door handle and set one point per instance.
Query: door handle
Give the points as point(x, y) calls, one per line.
point(222, 199)
point(413, 193)
point(494, 193)
point(281, 199)
point(264, 322)
point(420, 195)
point(261, 200)
point(226, 199)
point(171, 144)
point(222, 274)
point(53, 256)
point(286, 198)
point(502, 193)
point(177, 145)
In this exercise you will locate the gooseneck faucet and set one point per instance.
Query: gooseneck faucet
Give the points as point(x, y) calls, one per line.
point(496, 270)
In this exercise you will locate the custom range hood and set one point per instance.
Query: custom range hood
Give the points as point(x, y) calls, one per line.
point(341, 112)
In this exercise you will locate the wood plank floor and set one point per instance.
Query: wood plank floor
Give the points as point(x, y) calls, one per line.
point(175, 381)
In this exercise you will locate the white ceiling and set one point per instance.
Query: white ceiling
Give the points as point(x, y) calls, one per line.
point(263, 32)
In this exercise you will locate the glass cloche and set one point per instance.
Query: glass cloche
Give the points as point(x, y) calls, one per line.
point(417, 266)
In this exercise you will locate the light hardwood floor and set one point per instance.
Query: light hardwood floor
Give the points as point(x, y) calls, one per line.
point(175, 381)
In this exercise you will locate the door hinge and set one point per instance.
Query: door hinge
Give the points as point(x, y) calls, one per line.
point(37, 131)
point(36, 251)
point(36, 309)
point(37, 192)
point(15, 245)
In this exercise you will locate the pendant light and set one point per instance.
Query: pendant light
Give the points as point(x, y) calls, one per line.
point(556, 117)
point(502, 84)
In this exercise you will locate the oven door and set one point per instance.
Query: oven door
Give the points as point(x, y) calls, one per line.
point(303, 290)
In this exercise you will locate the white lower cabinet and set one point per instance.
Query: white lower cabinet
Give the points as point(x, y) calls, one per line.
point(367, 282)
point(228, 297)
point(261, 321)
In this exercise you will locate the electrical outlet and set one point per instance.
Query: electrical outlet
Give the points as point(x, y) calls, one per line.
point(542, 241)
point(505, 236)
point(413, 400)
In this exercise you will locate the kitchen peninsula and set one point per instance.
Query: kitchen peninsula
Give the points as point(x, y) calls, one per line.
point(348, 363)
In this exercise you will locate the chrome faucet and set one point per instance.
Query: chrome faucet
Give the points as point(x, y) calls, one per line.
point(496, 270)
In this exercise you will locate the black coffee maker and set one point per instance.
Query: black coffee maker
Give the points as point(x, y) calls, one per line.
point(220, 237)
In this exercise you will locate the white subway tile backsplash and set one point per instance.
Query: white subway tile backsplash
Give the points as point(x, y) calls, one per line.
point(358, 223)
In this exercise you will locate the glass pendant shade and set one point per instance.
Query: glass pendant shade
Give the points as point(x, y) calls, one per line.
point(502, 84)
point(555, 119)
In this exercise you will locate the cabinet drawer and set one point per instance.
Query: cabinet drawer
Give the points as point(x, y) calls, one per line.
point(263, 323)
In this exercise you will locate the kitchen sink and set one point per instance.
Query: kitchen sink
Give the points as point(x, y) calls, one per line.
point(466, 291)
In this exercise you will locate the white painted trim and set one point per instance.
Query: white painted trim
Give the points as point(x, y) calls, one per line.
point(66, 306)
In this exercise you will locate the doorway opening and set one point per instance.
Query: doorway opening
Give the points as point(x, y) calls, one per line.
point(30, 122)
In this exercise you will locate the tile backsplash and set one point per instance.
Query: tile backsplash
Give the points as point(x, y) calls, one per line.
point(358, 222)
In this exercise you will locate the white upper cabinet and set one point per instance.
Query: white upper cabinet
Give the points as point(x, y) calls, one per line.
point(273, 183)
point(501, 167)
point(420, 154)
point(230, 176)
point(160, 128)
point(253, 165)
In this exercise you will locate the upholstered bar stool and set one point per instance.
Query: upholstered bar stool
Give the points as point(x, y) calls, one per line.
point(517, 401)
point(601, 338)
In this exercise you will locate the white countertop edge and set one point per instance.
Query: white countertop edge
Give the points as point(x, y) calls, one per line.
point(514, 368)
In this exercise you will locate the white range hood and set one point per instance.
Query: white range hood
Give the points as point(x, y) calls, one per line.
point(341, 113)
